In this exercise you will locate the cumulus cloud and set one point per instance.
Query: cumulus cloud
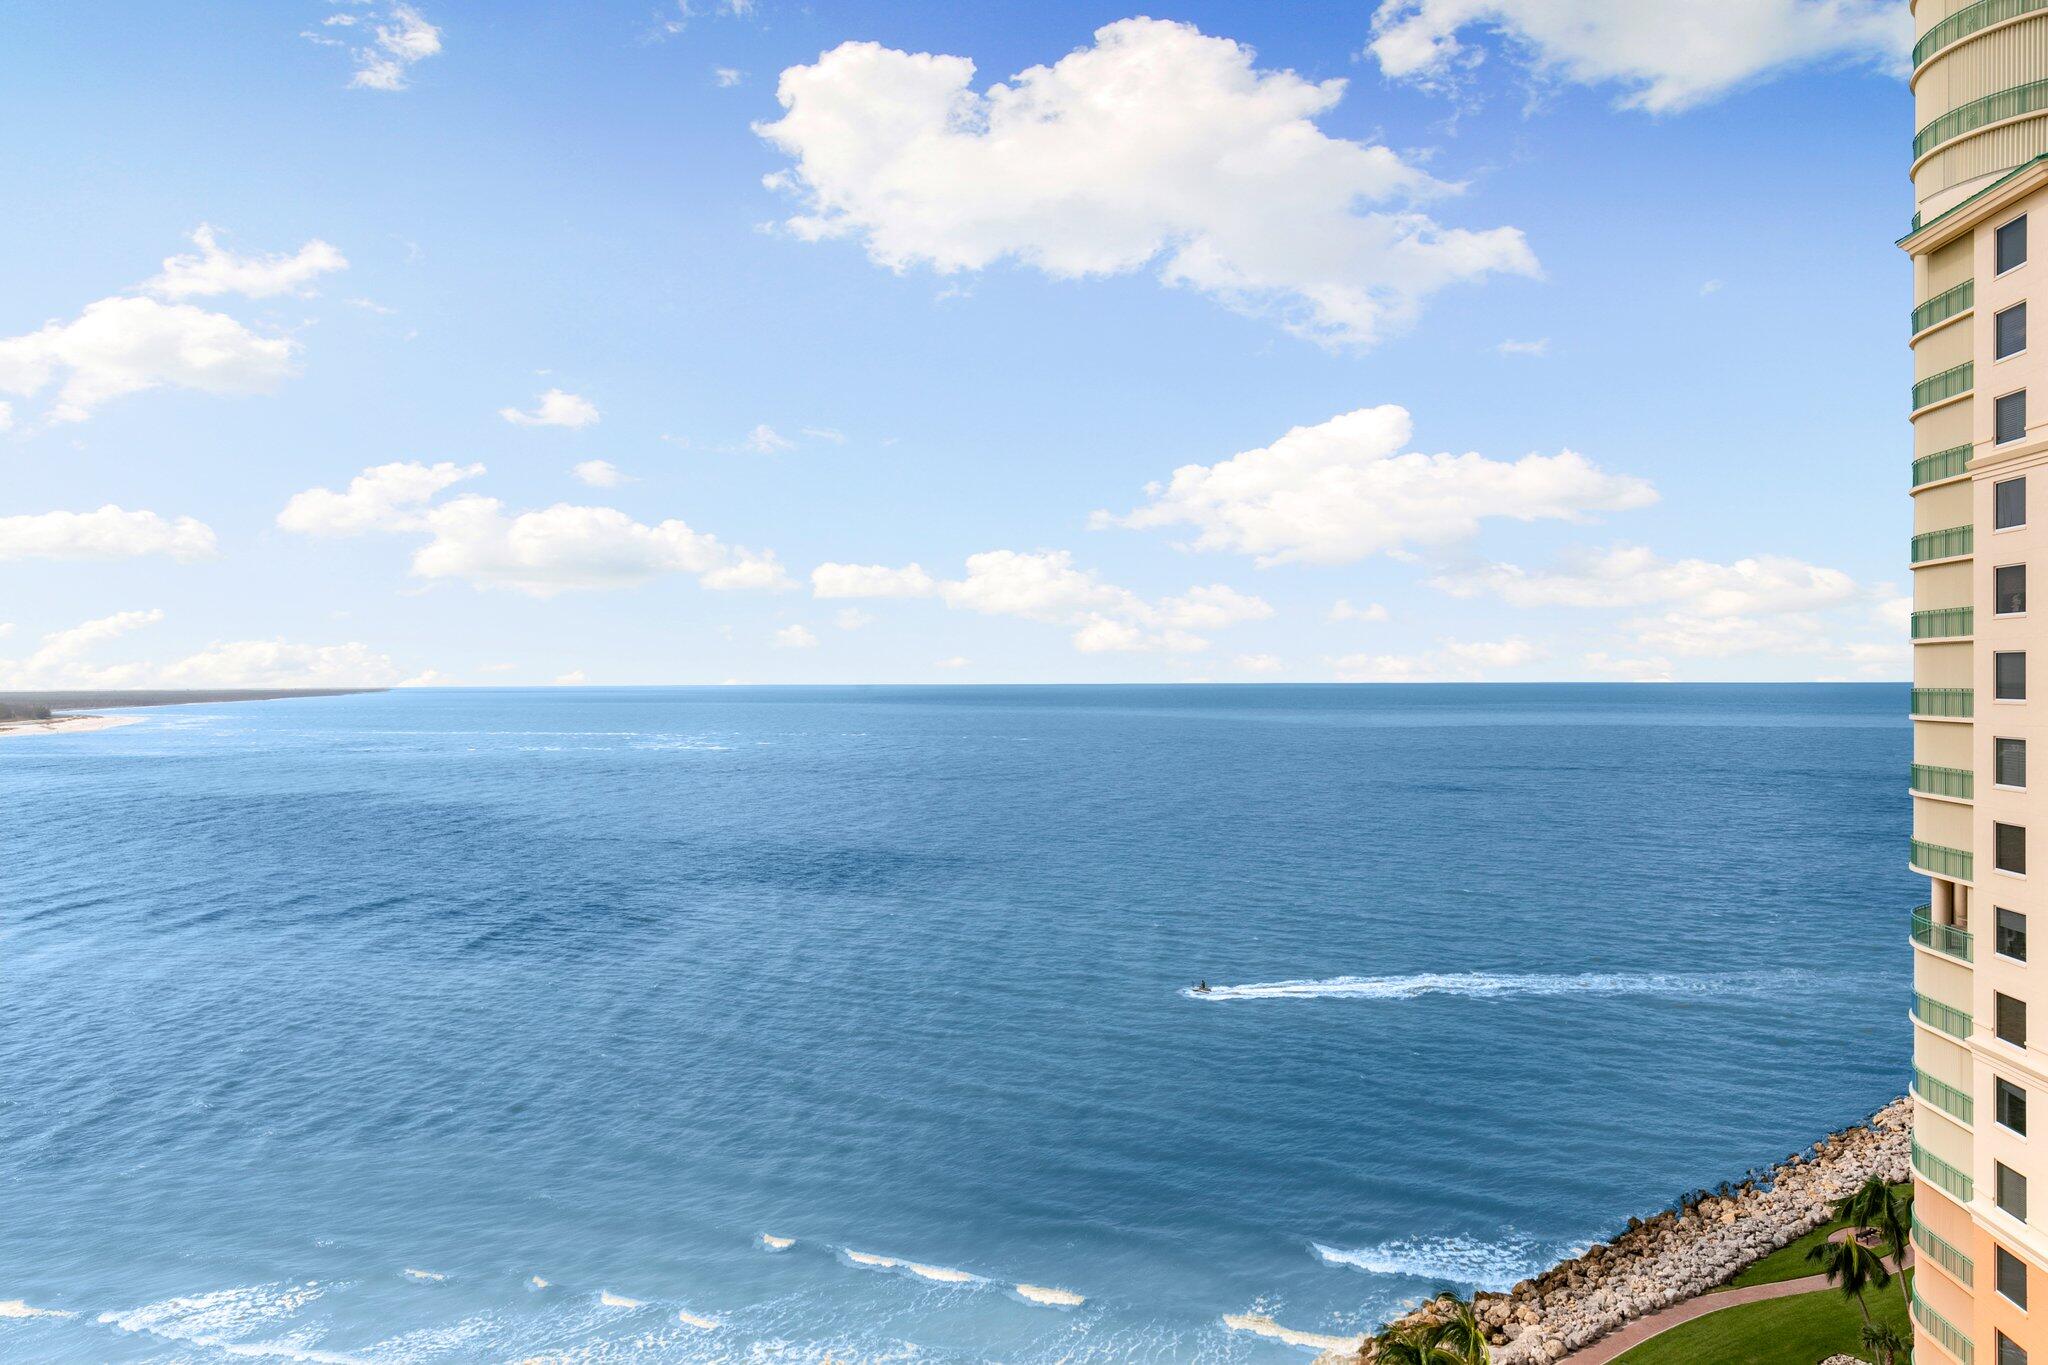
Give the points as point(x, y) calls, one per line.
point(575, 677)
point(108, 533)
point(1451, 661)
point(63, 658)
point(957, 661)
point(1342, 490)
point(555, 409)
point(1258, 663)
point(1158, 145)
point(766, 440)
point(726, 77)
point(1666, 56)
point(871, 580)
point(1342, 610)
point(124, 345)
point(795, 637)
point(600, 474)
point(6, 416)
point(400, 39)
point(541, 553)
point(853, 618)
point(215, 270)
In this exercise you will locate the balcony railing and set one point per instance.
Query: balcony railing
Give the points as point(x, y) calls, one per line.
point(1943, 1096)
point(1930, 780)
point(1956, 540)
point(2030, 98)
point(1950, 702)
point(1942, 464)
point(1947, 1018)
point(1964, 22)
point(1943, 938)
point(1937, 1172)
point(1944, 1255)
point(1943, 861)
point(1943, 623)
point(1943, 1331)
point(1938, 388)
point(1944, 306)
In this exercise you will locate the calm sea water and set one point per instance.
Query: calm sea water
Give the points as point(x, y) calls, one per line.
point(327, 1025)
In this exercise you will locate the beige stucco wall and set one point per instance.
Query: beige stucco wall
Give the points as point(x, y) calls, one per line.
point(1942, 585)
point(1943, 743)
point(1942, 428)
point(1943, 506)
point(1945, 665)
point(1945, 822)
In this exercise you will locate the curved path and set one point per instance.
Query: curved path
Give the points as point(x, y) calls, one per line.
point(1640, 1330)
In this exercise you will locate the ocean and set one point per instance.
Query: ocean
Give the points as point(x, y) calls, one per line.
point(493, 1025)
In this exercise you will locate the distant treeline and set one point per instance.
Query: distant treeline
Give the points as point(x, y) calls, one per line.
point(23, 710)
point(11, 703)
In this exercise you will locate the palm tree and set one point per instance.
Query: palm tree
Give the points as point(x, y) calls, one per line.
point(1424, 1345)
point(1466, 1338)
point(1875, 1205)
point(1851, 1267)
point(1884, 1342)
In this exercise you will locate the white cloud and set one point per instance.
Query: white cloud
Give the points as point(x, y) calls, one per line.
point(1451, 661)
point(853, 618)
point(765, 440)
point(600, 474)
point(63, 659)
point(1653, 669)
point(795, 637)
point(218, 271)
point(6, 416)
point(402, 39)
point(725, 77)
point(555, 409)
point(1666, 56)
point(1342, 610)
point(123, 345)
point(837, 438)
point(957, 661)
point(541, 553)
point(1258, 663)
point(1157, 144)
point(1710, 287)
point(1339, 491)
point(871, 580)
point(1537, 348)
point(108, 533)
point(385, 497)
point(573, 678)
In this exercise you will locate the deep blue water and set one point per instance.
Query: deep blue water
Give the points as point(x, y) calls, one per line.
point(601, 985)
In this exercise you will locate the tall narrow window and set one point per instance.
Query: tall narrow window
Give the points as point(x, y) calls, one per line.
point(2012, 1106)
point(2012, 244)
point(2011, 762)
point(2011, 1018)
point(2009, 677)
point(2009, 417)
point(2012, 935)
point(2009, 504)
point(2010, 846)
point(2012, 1276)
point(2009, 1351)
point(2009, 589)
point(2012, 1190)
point(2010, 336)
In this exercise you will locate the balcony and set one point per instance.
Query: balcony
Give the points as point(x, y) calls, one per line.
point(1942, 464)
point(1943, 623)
point(1943, 1096)
point(1939, 860)
point(1950, 544)
point(1939, 388)
point(1948, 703)
point(1942, 938)
point(1941, 1175)
point(1958, 783)
point(2015, 102)
point(1947, 1018)
point(1944, 1255)
point(1943, 1331)
point(1968, 20)
point(1945, 305)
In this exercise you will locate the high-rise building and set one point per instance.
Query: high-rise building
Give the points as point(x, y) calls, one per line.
point(1980, 180)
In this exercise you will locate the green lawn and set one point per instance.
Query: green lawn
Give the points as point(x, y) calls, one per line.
point(1789, 1262)
point(1799, 1330)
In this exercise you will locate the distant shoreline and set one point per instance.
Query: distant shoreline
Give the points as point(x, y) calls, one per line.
point(42, 713)
point(66, 724)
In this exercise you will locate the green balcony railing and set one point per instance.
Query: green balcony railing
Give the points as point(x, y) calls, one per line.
point(1943, 861)
point(1956, 540)
point(1942, 464)
point(1944, 1255)
point(1943, 623)
point(1943, 938)
point(1930, 780)
point(2019, 100)
point(1943, 1096)
point(1943, 1331)
point(1937, 388)
point(1945, 305)
point(1949, 702)
point(1968, 20)
point(1939, 1173)
point(1947, 1018)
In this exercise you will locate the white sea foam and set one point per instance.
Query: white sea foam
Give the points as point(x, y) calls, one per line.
point(611, 1300)
point(536, 1282)
point(424, 1276)
point(697, 1320)
point(1486, 985)
point(774, 1243)
point(1261, 1325)
point(869, 1259)
point(1055, 1298)
point(221, 1320)
point(937, 1273)
point(15, 1308)
point(1456, 1260)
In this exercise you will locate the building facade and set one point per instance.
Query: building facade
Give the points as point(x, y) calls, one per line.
point(1979, 243)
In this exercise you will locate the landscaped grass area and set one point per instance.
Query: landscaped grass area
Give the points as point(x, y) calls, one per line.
point(1798, 1330)
point(1789, 1262)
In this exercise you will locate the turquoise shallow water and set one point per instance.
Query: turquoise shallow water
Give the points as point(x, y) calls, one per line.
point(327, 1025)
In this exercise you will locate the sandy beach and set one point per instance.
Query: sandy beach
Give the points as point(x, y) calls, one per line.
point(69, 725)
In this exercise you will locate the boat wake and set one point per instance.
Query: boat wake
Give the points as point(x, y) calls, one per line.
point(1492, 985)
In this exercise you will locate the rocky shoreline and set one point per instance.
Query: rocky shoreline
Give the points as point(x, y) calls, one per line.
point(1676, 1255)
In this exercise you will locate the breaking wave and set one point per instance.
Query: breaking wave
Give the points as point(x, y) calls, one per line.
point(1053, 1298)
point(1260, 1325)
point(1487, 985)
point(936, 1273)
point(1455, 1260)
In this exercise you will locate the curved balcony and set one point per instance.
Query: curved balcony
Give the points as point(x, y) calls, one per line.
point(2016, 102)
point(1952, 543)
point(1943, 623)
point(1943, 1096)
point(1941, 1175)
point(1930, 780)
point(1949, 703)
point(1939, 388)
point(1949, 303)
point(1942, 938)
point(1944, 1332)
point(1944, 1255)
point(1970, 19)
point(1946, 1018)
point(1942, 464)
point(1939, 860)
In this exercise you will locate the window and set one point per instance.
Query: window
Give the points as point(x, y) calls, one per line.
point(2012, 1190)
point(2011, 761)
point(2009, 1354)
point(2012, 1106)
point(2009, 504)
point(2009, 677)
point(2012, 935)
point(2011, 331)
point(2009, 418)
point(2010, 848)
point(2012, 244)
point(2012, 1276)
point(2009, 589)
point(2012, 1019)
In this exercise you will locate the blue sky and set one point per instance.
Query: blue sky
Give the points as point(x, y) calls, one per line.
point(801, 348)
